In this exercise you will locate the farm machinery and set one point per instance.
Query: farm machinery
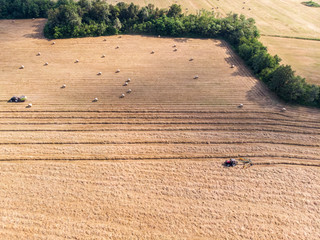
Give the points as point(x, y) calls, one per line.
point(234, 162)
point(18, 99)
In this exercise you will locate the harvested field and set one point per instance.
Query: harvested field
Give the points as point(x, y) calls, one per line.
point(273, 17)
point(157, 200)
point(148, 166)
point(302, 55)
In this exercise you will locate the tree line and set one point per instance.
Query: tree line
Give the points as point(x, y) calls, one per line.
point(15, 9)
point(69, 19)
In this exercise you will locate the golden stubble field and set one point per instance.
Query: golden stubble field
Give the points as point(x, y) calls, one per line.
point(302, 55)
point(273, 17)
point(148, 166)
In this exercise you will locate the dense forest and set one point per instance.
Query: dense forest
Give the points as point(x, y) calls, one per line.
point(69, 19)
point(10, 9)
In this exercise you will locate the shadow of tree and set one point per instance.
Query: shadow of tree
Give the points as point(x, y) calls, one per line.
point(259, 93)
point(181, 40)
point(37, 30)
point(264, 97)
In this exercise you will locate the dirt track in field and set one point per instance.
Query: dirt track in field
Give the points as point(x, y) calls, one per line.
point(148, 166)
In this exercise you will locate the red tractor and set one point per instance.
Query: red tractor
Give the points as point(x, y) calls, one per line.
point(18, 99)
point(230, 163)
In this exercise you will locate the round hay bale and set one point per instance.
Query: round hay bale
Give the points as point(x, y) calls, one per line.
point(77, 60)
point(196, 77)
point(21, 67)
point(232, 66)
point(46, 63)
point(29, 105)
point(191, 59)
point(283, 109)
point(103, 56)
point(240, 105)
point(128, 80)
point(174, 45)
point(125, 84)
point(95, 99)
point(159, 36)
point(129, 91)
point(122, 95)
point(104, 40)
point(175, 50)
point(152, 52)
point(63, 86)
point(118, 70)
point(99, 73)
point(39, 53)
point(53, 43)
point(117, 47)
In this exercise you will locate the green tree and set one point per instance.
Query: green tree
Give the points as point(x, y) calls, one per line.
point(280, 77)
point(85, 8)
point(263, 60)
point(293, 90)
point(99, 11)
point(311, 94)
point(117, 24)
point(143, 14)
point(174, 11)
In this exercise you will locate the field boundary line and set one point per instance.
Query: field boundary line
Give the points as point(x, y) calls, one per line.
point(292, 37)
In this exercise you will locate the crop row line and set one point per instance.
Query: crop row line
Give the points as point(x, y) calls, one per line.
point(162, 123)
point(204, 157)
point(161, 142)
point(160, 130)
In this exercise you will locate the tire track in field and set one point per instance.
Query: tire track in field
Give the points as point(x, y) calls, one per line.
point(162, 117)
point(208, 142)
point(204, 157)
point(172, 124)
point(161, 130)
point(147, 111)
point(162, 142)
